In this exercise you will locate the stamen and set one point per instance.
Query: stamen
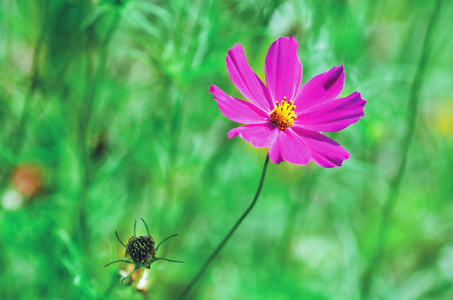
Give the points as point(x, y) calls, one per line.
point(283, 117)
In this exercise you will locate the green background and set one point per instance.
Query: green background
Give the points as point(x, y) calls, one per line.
point(109, 101)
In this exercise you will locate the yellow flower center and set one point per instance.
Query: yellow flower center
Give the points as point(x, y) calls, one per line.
point(283, 115)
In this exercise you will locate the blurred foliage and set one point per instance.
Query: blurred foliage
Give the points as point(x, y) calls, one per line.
point(106, 118)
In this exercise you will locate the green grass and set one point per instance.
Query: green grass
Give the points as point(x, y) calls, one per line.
point(109, 101)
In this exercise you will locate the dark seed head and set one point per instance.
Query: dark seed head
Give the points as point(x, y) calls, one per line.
point(141, 250)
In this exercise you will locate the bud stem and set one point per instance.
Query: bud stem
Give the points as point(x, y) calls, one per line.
point(230, 233)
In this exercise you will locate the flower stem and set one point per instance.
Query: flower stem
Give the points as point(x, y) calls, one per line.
point(395, 183)
point(230, 233)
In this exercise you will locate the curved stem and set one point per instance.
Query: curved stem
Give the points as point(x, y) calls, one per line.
point(135, 269)
point(121, 260)
point(147, 230)
point(230, 233)
point(119, 239)
point(135, 228)
point(157, 248)
point(170, 260)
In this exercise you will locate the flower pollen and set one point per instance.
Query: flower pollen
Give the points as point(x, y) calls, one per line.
point(283, 115)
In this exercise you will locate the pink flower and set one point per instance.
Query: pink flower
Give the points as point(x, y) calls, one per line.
point(285, 116)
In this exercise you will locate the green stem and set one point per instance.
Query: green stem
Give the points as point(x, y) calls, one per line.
point(230, 233)
point(90, 94)
point(395, 183)
point(19, 136)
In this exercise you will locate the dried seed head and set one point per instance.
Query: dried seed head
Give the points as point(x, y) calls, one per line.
point(141, 250)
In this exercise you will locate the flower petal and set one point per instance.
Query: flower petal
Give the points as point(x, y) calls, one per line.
point(259, 135)
point(290, 147)
point(325, 151)
point(236, 109)
point(245, 80)
point(283, 69)
point(321, 88)
point(333, 115)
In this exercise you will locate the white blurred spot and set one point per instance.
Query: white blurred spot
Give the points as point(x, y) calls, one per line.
point(12, 200)
point(143, 283)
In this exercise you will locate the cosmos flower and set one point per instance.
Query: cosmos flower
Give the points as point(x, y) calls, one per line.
point(285, 116)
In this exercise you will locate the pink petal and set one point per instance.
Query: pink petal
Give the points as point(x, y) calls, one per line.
point(236, 109)
point(290, 147)
point(333, 115)
point(259, 135)
point(245, 80)
point(325, 151)
point(321, 88)
point(283, 69)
